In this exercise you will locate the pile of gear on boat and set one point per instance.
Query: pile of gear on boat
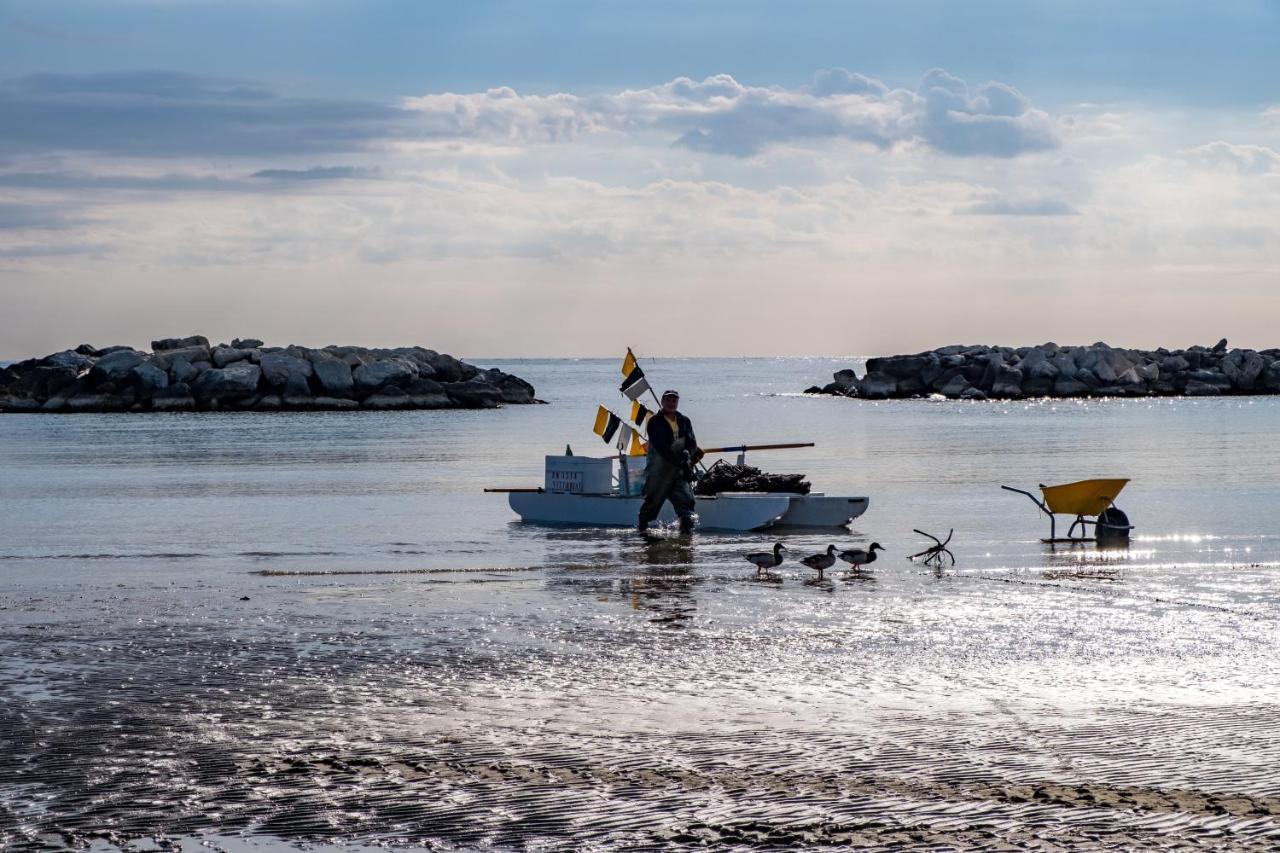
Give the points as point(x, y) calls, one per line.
point(655, 477)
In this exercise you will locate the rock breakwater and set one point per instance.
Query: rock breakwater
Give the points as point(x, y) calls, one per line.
point(190, 374)
point(1007, 373)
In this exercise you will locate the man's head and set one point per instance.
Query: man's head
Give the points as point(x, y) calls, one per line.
point(670, 402)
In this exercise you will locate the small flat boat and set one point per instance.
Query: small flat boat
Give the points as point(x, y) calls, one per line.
point(604, 492)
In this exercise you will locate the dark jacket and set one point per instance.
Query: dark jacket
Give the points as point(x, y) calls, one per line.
point(660, 436)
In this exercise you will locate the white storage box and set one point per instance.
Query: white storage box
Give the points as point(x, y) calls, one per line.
point(579, 475)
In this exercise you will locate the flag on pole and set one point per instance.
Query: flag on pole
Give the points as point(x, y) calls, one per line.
point(639, 414)
point(638, 447)
point(635, 385)
point(629, 363)
point(607, 424)
point(624, 438)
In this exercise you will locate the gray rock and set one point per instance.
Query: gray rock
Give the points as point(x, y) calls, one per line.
point(149, 380)
point(268, 403)
point(391, 397)
point(222, 356)
point(1174, 364)
point(1243, 367)
point(1149, 372)
point(90, 402)
point(19, 404)
point(379, 374)
point(1270, 379)
point(179, 343)
point(283, 371)
point(231, 382)
point(334, 376)
point(176, 398)
point(1220, 346)
point(69, 360)
point(1070, 388)
point(182, 370)
point(972, 393)
point(116, 348)
point(473, 394)
point(116, 366)
point(192, 355)
point(1197, 388)
point(246, 343)
point(955, 387)
point(1008, 383)
point(878, 386)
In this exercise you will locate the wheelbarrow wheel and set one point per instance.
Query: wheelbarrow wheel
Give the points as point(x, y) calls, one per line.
point(1113, 526)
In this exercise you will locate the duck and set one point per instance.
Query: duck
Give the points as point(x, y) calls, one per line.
point(767, 559)
point(858, 558)
point(821, 562)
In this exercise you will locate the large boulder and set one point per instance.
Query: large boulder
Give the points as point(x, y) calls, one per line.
point(246, 343)
point(175, 398)
point(1064, 387)
point(1206, 383)
point(179, 343)
point(374, 376)
point(231, 382)
point(429, 394)
point(116, 366)
point(390, 397)
point(878, 386)
point(955, 387)
point(1243, 367)
point(68, 359)
point(1008, 383)
point(475, 393)
point(149, 379)
point(282, 371)
point(334, 376)
point(222, 356)
point(191, 355)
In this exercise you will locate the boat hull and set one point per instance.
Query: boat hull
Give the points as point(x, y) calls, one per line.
point(723, 512)
point(822, 510)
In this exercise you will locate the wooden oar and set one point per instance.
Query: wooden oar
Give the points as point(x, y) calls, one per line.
point(742, 448)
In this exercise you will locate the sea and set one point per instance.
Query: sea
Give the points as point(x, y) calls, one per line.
point(317, 630)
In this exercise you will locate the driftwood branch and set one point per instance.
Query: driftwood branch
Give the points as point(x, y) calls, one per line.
point(935, 554)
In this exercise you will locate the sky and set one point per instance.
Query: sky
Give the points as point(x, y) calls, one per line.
point(687, 178)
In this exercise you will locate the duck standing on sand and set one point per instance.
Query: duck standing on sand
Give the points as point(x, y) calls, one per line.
point(767, 559)
point(821, 562)
point(858, 558)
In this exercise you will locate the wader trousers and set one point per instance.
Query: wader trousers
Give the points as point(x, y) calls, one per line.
point(665, 482)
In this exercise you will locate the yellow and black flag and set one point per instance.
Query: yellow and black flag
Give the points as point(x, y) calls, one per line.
point(629, 363)
point(635, 385)
point(607, 424)
point(640, 415)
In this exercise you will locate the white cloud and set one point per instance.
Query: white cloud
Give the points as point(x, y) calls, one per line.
point(719, 115)
point(1245, 159)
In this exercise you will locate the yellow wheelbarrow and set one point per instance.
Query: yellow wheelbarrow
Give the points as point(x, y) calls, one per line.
point(1086, 499)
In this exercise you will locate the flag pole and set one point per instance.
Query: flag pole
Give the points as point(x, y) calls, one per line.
point(652, 393)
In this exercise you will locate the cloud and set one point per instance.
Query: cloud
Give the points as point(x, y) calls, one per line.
point(1244, 159)
point(21, 217)
point(1020, 207)
point(319, 173)
point(167, 114)
point(719, 115)
point(170, 114)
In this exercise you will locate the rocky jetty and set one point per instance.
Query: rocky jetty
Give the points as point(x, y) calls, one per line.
point(962, 372)
point(190, 374)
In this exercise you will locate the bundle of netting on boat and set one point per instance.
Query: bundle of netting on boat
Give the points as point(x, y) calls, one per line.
point(723, 477)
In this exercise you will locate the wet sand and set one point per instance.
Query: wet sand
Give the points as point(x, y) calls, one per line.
point(658, 698)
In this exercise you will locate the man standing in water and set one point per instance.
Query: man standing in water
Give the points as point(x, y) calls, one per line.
point(673, 450)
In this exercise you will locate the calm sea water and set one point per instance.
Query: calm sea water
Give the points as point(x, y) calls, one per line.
point(363, 545)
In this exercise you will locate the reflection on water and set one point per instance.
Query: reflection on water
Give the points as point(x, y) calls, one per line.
point(311, 630)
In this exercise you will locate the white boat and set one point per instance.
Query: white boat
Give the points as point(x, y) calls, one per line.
point(585, 491)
